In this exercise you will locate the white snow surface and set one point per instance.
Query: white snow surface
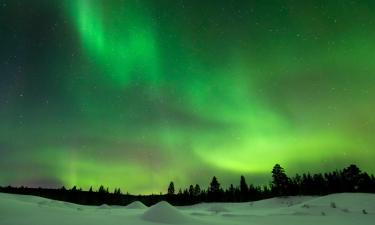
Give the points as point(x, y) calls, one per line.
point(335, 209)
point(136, 205)
point(163, 212)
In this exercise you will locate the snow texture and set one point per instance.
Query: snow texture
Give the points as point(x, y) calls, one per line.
point(335, 209)
point(163, 212)
point(136, 205)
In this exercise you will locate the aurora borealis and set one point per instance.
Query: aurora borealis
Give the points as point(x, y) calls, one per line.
point(134, 94)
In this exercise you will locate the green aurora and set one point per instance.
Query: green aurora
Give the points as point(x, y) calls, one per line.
point(134, 94)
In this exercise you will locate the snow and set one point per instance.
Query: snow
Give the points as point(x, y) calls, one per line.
point(163, 212)
point(136, 205)
point(104, 206)
point(335, 209)
point(217, 208)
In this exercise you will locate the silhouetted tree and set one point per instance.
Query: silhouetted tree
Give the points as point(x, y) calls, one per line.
point(171, 188)
point(101, 189)
point(348, 179)
point(191, 190)
point(214, 185)
point(280, 182)
point(351, 177)
point(255, 192)
point(244, 189)
point(231, 193)
point(365, 183)
point(295, 185)
point(117, 191)
point(214, 191)
point(197, 190)
point(319, 184)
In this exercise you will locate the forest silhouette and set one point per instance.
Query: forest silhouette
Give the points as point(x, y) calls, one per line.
point(349, 179)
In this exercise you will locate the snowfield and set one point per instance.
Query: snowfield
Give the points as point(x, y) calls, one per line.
point(340, 209)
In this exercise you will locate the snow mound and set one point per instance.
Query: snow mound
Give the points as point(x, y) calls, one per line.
point(344, 202)
point(163, 212)
point(335, 209)
point(104, 206)
point(136, 205)
point(279, 202)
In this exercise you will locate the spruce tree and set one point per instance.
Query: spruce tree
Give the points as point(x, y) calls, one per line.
point(351, 176)
point(197, 190)
point(214, 185)
point(191, 191)
point(280, 182)
point(244, 189)
point(171, 188)
point(214, 190)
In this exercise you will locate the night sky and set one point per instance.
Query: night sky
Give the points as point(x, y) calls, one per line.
point(134, 94)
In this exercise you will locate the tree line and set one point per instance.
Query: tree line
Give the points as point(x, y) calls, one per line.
point(349, 179)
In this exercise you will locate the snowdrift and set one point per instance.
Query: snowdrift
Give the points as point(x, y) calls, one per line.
point(335, 209)
point(104, 206)
point(163, 212)
point(343, 203)
point(136, 205)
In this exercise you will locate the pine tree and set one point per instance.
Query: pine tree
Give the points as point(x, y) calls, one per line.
point(171, 188)
point(214, 185)
point(191, 191)
point(244, 189)
point(101, 189)
point(280, 182)
point(197, 190)
point(352, 177)
point(231, 193)
point(214, 190)
point(117, 191)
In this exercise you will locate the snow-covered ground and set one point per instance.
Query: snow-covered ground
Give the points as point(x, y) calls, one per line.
point(340, 209)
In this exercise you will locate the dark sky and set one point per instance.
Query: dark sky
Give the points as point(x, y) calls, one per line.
point(134, 94)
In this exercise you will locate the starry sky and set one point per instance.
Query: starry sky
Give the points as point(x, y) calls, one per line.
point(136, 93)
